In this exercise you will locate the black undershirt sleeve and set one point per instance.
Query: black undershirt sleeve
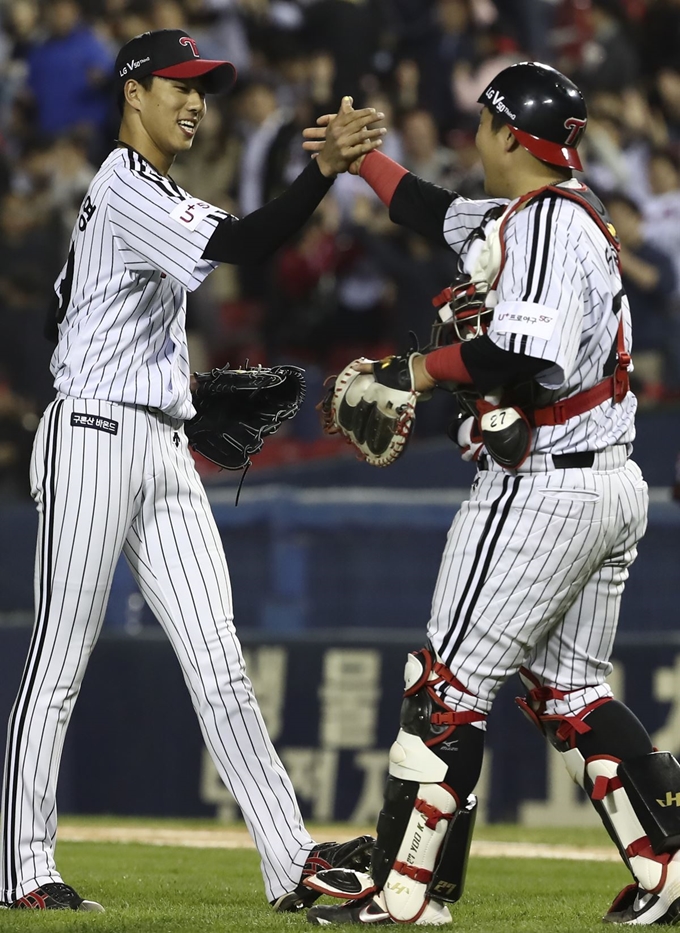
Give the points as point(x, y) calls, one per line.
point(255, 237)
point(491, 367)
point(421, 206)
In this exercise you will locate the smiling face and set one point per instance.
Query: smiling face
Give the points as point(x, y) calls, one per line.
point(162, 120)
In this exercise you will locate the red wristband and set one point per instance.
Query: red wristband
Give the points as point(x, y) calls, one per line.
point(446, 365)
point(382, 174)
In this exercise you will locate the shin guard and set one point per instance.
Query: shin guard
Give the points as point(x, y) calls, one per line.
point(635, 791)
point(422, 847)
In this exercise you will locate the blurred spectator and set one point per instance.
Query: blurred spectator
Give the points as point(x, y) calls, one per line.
point(454, 45)
point(423, 154)
point(351, 283)
point(69, 74)
point(30, 259)
point(609, 59)
point(660, 40)
point(667, 89)
point(131, 20)
point(417, 269)
point(661, 209)
point(348, 30)
point(71, 174)
point(648, 277)
point(17, 426)
point(266, 133)
point(21, 26)
point(622, 131)
point(494, 51)
point(305, 300)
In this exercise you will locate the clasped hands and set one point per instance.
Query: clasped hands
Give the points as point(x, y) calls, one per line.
point(340, 141)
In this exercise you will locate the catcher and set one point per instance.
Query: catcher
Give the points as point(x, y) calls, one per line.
point(536, 560)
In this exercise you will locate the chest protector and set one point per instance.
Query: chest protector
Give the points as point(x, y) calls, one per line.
point(505, 428)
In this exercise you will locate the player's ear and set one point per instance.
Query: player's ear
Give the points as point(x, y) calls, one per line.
point(509, 139)
point(131, 94)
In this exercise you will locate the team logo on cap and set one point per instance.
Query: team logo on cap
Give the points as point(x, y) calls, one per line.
point(185, 40)
point(575, 126)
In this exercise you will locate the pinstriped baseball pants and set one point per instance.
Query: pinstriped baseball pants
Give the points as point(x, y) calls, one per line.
point(136, 490)
point(532, 576)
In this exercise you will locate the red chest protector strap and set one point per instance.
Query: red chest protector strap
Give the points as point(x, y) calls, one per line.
point(613, 387)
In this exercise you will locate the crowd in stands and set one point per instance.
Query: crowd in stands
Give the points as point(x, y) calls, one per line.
point(351, 283)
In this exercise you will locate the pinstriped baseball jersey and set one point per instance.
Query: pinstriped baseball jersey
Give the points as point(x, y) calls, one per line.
point(112, 474)
point(555, 299)
point(535, 562)
point(135, 252)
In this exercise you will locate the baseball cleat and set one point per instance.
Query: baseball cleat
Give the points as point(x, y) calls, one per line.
point(341, 882)
point(355, 854)
point(634, 906)
point(372, 909)
point(55, 896)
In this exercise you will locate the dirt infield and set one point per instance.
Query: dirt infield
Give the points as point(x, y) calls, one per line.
point(219, 838)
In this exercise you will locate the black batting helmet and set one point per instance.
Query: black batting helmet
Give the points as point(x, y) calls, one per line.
point(543, 108)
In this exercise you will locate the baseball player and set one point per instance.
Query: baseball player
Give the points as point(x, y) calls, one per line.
point(111, 471)
point(536, 560)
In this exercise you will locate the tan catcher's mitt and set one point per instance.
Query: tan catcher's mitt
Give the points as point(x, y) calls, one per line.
point(375, 412)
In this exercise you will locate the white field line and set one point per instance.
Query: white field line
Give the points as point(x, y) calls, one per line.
point(239, 839)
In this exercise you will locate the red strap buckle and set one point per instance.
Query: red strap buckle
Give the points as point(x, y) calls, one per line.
point(421, 875)
point(431, 813)
point(443, 297)
point(621, 384)
point(559, 413)
point(604, 785)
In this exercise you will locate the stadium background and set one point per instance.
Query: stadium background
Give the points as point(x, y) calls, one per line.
point(332, 563)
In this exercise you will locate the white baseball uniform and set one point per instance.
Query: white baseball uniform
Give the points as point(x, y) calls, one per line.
point(111, 473)
point(535, 562)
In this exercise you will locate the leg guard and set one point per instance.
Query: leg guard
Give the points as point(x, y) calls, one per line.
point(609, 754)
point(420, 854)
point(448, 878)
point(652, 784)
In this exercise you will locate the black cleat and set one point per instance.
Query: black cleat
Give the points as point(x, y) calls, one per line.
point(55, 896)
point(354, 854)
point(368, 909)
point(371, 909)
point(636, 907)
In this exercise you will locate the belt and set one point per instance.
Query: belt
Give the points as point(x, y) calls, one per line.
point(578, 461)
point(574, 461)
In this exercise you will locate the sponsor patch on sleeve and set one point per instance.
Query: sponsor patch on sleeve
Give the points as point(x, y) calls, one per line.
point(520, 317)
point(191, 212)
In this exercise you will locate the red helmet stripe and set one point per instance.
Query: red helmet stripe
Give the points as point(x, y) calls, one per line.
point(553, 153)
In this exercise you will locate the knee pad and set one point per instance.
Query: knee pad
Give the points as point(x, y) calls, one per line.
point(601, 727)
point(452, 735)
point(423, 834)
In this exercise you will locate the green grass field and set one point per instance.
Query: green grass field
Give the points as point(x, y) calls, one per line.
point(152, 889)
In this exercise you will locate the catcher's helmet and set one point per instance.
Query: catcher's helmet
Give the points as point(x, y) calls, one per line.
point(543, 108)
